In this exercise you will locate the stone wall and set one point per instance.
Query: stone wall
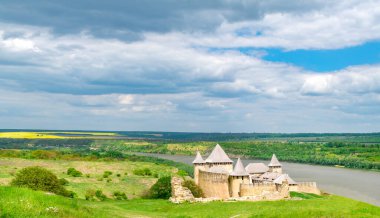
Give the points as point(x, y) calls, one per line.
point(234, 184)
point(197, 168)
point(307, 187)
point(256, 189)
point(214, 184)
point(179, 193)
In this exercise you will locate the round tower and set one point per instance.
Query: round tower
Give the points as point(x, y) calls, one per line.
point(238, 176)
point(199, 164)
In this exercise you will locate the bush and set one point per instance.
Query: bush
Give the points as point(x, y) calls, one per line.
point(99, 195)
point(90, 195)
point(195, 190)
point(142, 172)
point(120, 195)
point(63, 181)
point(106, 174)
point(118, 175)
point(73, 172)
point(38, 178)
point(109, 180)
point(162, 189)
point(182, 173)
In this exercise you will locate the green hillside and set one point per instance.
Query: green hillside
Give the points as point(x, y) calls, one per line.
point(19, 202)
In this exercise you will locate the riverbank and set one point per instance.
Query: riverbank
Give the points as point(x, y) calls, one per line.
point(356, 184)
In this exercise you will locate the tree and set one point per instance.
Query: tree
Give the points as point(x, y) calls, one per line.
point(162, 189)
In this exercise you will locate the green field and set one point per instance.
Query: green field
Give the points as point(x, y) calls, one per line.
point(19, 202)
point(122, 178)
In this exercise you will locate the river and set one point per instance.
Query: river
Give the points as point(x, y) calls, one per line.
point(356, 184)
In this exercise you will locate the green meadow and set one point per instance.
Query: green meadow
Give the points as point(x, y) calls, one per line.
point(121, 179)
point(20, 202)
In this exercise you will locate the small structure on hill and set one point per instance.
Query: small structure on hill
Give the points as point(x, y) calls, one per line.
point(219, 179)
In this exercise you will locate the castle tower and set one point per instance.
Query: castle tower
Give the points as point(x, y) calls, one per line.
point(274, 165)
point(219, 158)
point(238, 176)
point(199, 164)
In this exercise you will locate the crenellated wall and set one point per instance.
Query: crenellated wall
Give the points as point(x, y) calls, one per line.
point(213, 184)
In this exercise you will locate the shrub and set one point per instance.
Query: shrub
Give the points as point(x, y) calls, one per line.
point(194, 188)
point(182, 173)
point(118, 175)
point(142, 172)
point(38, 178)
point(88, 175)
point(99, 195)
point(120, 195)
point(73, 172)
point(90, 195)
point(109, 180)
point(63, 181)
point(106, 174)
point(162, 189)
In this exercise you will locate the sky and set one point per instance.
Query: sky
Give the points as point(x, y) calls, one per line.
point(190, 65)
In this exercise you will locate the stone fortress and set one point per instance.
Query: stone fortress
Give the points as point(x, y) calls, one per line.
point(220, 180)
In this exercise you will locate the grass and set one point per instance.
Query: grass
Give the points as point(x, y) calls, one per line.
point(19, 202)
point(130, 184)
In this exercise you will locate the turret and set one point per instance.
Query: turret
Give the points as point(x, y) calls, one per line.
point(274, 165)
point(199, 164)
point(219, 158)
point(238, 176)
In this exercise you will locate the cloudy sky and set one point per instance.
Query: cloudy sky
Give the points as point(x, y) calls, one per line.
point(188, 65)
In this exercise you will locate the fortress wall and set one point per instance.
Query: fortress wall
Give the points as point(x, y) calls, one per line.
point(214, 184)
point(307, 187)
point(197, 168)
point(256, 189)
point(234, 182)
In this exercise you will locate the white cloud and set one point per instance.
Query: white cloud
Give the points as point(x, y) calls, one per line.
point(168, 82)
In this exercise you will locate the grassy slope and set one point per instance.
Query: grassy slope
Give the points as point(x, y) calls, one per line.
point(132, 185)
point(17, 202)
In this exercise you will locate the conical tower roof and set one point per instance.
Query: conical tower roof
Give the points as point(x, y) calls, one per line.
point(198, 159)
point(239, 169)
point(218, 156)
point(274, 162)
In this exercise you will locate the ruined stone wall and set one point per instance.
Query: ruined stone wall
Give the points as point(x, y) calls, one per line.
point(179, 193)
point(256, 189)
point(307, 187)
point(214, 184)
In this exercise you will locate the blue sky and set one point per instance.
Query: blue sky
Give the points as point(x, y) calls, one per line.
point(214, 66)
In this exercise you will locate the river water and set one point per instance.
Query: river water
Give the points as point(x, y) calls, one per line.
point(356, 184)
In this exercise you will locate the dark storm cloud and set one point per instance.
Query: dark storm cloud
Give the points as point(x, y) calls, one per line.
point(127, 19)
